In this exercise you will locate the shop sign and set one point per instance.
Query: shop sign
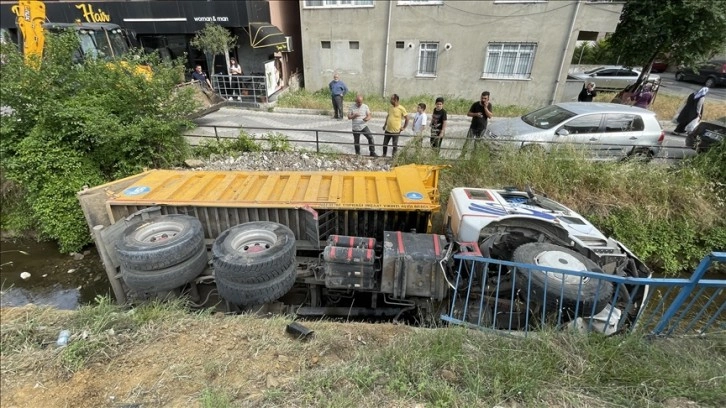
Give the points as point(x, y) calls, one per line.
point(92, 15)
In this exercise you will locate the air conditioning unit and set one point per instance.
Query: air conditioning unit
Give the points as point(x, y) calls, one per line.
point(288, 43)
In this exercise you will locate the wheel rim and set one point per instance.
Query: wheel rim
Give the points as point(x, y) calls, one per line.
point(561, 260)
point(252, 242)
point(159, 232)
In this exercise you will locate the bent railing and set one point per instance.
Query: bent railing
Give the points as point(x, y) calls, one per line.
point(490, 294)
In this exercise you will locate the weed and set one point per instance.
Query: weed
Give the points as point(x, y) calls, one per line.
point(227, 147)
point(215, 398)
point(278, 142)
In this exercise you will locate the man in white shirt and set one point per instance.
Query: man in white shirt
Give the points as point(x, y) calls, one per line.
point(360, 115)
point(419, 121)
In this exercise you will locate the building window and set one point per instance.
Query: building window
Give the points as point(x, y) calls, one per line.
point(428, 53)
point(324, 44)
point(509, 60)
point(399, 44)
point(420, 2)
point(353, 45)
point(337, 3)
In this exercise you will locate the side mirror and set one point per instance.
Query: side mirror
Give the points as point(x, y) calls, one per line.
point(562, 132)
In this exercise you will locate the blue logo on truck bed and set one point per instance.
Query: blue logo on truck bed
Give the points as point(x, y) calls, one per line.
point(134, 191)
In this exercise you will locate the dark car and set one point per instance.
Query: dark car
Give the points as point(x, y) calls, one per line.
point(712, 73)
point(706, 135)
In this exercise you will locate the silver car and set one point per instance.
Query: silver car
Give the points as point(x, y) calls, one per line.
point(605, 130)
point(613, 77)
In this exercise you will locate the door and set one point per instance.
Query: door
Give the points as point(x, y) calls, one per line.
point(583, 132)
point(606, 78)
point(622, 133)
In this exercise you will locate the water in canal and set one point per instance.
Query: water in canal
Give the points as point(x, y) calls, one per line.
point(57, 280)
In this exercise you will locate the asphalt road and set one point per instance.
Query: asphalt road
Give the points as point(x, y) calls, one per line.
point(670, 86)
point(303, 129)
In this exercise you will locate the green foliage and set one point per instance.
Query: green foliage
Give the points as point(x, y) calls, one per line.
point(215, 398)
point(688, 31)
point(599, 52)
point(320, 100)
point(278, 142)
point(227, 147)
point(76, 124)
point(213, 39)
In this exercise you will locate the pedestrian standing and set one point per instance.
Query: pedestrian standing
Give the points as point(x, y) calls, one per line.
point(438, 123)
point(360, 115)
point(392, 129)
point(588, 92)
point(691, 112)
point(480, 113)
point(419, 120)
point(337, 92)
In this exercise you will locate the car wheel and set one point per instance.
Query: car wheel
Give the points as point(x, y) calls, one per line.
point(710, 83)
point(640, 154)
point(680, 76)
point(557, 290)
point(167, 278)
point(257, 293)
point(160, 242)
point(253, 252)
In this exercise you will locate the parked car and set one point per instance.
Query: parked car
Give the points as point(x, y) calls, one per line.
point(712, 73)
point(706, 135)
point(607, 130)
point(659, 66)
point(613, 77)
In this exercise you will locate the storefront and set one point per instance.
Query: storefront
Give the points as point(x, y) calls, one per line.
point(166, 27)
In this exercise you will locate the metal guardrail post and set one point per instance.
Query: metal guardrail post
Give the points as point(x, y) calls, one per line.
point(216, 135)
point(317, 141)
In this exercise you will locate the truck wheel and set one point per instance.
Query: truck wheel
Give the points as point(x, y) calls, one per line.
point(160, 242)
point(257, 293)
point(253, 252)
point(594, 294)
point(167, 278)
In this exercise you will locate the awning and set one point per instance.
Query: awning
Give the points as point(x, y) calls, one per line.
point(267, 35)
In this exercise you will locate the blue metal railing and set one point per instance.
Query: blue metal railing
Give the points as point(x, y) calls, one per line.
point(490, 294)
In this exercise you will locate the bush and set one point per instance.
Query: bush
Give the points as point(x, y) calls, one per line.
point(75, 124)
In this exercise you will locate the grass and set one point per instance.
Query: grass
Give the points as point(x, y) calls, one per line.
point(665, 106)
point(234, 361)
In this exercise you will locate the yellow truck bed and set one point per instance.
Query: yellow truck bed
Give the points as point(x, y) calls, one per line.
point(313, 204)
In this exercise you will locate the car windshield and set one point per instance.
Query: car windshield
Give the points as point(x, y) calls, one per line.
point(547, 117)
point(592, 71)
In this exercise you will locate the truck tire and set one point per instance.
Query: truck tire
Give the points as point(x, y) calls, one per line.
point(253, 252)
point(594, 294)
point(257, 293)
point(160, 242)
point(167, 278)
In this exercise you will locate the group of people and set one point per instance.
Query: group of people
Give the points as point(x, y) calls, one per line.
point(641, 99)
point(397, 119)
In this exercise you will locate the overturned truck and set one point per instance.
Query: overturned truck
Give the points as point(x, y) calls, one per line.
point(354, 244)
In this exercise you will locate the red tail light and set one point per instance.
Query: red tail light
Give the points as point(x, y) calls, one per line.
point(662, 137)
point(723, 69)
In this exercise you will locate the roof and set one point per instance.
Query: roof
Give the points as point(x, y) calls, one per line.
point(601, 107)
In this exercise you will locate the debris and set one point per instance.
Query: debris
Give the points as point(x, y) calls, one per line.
point(299, 331)
point(63, 338)
point(25, 275)
point(71, 270)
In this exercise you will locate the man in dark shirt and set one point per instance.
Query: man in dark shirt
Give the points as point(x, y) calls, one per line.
point(199, 75)
point(480, 112)
point(438, 123)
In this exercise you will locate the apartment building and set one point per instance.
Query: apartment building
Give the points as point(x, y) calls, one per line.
point(519, 50)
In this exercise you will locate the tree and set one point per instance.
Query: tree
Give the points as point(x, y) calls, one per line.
point(214, 39)
point(68, 124)
point(688, 31)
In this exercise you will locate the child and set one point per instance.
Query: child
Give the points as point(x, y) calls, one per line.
point(438, 123)
point(419, 121)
